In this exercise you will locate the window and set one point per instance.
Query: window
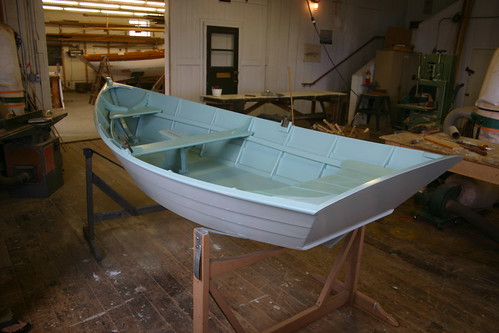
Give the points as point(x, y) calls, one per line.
point(139, 24)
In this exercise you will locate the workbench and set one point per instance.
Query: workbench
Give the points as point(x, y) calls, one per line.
point(473, 165)
point(237, 102)
point(30, 124)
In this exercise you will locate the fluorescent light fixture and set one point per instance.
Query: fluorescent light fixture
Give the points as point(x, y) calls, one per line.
point(53, 8)
point(137, 2)
point(154, 3)
point(128, 7)
point(62, 2)
point(97, 4)
point(116, 12)
point(144, 9)
point(86, 10)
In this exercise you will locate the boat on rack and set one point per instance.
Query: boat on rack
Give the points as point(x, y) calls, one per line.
point(122, 65)
point(255, 178)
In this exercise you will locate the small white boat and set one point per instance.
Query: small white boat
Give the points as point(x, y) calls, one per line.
point(254, 178)
point(122, 65)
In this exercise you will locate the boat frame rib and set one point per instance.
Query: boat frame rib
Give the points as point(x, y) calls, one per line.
point(345, 292)
point(92, 217)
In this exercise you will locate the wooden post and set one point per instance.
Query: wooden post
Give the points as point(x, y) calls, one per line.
point(201, 280)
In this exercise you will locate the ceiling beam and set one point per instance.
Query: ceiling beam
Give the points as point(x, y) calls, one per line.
point(90, 24)
point(100, 38)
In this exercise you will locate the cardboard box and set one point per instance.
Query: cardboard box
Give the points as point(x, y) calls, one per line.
point(398, 39)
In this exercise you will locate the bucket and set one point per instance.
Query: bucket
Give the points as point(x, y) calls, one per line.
point(487, 114)
point(216, 92)
point(486, 125)
point(14, 101)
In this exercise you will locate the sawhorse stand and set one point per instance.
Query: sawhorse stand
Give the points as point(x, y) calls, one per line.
point(92, 217)
point(205, 269)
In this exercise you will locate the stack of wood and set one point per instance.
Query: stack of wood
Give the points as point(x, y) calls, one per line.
point(334, 128)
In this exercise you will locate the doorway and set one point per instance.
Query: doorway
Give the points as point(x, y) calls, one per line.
point(222, 59)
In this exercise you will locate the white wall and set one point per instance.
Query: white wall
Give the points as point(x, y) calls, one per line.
point(418, 11)
point(272, 38)
point(482, 34)
point(188, 21)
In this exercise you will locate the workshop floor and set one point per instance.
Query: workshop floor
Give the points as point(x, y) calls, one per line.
point(430, 280)
point(78, 125)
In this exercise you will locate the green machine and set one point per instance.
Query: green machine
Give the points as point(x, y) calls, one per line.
point(432, 98)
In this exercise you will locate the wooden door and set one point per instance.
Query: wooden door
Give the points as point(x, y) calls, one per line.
point(222, 59)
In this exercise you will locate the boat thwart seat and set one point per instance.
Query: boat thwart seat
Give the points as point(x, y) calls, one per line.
point(178, 141)
point(135, 112)
point(119, 113)
point(189, 141)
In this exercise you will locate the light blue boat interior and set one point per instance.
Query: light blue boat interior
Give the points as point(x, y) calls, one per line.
point(242, 152)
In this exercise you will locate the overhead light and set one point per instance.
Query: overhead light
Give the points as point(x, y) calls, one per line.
point(136, 2)
point(314, 4)
point(142, 9)
point(130, 7)
point(155, 3)
point(116, 12)
point(97, 4)
point(62, 2)
point(53, 8)
point(84, 10)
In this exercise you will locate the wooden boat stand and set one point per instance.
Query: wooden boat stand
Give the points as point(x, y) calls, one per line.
point(205, 269)
point(92, 217)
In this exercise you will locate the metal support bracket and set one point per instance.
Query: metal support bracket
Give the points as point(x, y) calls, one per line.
point(198, 249)
point(92, 217)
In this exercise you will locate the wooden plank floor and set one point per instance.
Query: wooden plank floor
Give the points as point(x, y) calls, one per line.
point(430, 280)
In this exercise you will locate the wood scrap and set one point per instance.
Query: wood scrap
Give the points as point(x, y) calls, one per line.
point(444, 143)
point(339, 129)
point(430, 131)
point(334, 128)
point(321, 128)
point(353, 130)
point(331, 127)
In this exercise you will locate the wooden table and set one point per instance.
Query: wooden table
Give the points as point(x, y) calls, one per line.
point(473, 165)
point(237, 102)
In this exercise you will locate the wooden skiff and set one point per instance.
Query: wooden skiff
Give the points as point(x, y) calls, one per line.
point(254, 178)
point(152, 63)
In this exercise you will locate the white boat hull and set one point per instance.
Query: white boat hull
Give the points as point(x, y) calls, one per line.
point(122, 70)
point(273, 186)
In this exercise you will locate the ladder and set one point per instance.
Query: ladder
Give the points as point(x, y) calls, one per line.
point(103, 72)
point(159, 85)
